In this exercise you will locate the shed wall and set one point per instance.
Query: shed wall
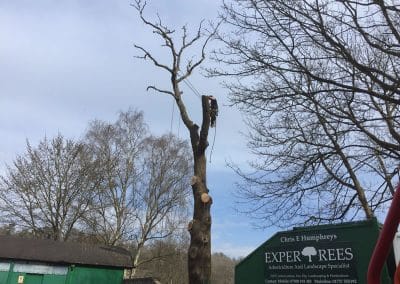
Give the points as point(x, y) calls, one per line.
point(93, 275)
point(3, 277)
point(74, 275)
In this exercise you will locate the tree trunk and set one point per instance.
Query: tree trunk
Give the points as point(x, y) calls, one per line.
point(199, 255)
point(136, 260)
point(199, 260)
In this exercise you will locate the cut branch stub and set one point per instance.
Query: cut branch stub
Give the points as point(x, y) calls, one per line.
point(205, 198)
point(194, 180)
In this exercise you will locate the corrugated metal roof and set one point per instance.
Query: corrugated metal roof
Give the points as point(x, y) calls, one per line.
point(50, 251)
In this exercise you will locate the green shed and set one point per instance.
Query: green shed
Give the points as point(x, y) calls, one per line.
point(30, 261)
point(327, 254)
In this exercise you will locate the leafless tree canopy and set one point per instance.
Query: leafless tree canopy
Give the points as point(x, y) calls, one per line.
point(118, 148)
point(49, 188)
point(144, 192)
point(319, 83)
point(163, 191)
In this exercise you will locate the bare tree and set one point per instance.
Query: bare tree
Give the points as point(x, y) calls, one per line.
point(49, 188)
point(199, 260)
point(319, 83)
point(143, 195)
point(118, 148)
point(169, 263)
point(223, 269)
point(162, 192)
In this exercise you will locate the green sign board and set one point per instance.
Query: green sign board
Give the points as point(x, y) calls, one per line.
point(328, 254)
point(311, 257)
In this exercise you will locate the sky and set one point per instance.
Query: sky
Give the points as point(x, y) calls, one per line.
point(64, 63)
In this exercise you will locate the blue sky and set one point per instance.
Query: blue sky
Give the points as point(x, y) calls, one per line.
point(66, 62)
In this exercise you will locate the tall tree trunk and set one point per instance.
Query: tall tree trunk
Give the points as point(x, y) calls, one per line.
point(199, 260)
point(199, 255)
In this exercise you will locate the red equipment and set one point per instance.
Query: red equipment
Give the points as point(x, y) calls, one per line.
point(385, 240)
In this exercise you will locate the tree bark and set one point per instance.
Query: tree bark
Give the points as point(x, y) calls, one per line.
point(199, 255)
point(136, 259)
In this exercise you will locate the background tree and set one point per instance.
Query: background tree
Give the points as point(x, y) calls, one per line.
point(223, 269)
point(171, 266)
point(169, 260)
point(199, 260)
point(143, 195)
point(318, 81)
point(118, 148)
point(161, 196)
point(49, 188)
